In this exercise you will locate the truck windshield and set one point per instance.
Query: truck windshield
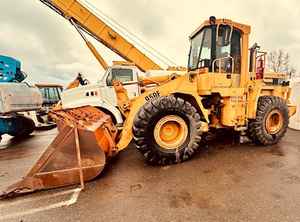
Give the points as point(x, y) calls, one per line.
point(200, 48)
point(120, 74)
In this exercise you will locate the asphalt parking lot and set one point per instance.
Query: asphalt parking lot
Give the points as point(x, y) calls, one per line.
point(224, 182)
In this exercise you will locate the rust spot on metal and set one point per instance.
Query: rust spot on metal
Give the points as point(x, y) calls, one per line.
point(78, 153)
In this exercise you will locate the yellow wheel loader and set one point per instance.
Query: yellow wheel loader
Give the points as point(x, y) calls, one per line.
point(226, 86)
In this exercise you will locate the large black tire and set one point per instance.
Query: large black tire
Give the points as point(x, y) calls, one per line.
point(259, 131)
point(147, 118)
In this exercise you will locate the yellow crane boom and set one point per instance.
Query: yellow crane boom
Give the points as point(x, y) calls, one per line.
point(85, 20)
point(91, 47)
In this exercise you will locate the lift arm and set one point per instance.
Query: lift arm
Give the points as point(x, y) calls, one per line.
point(91, 47)
point(85, 20)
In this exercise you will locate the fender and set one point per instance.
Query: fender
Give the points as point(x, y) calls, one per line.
point(115, 112)
point(253, 96)
point(182, 85)
point(257, 90)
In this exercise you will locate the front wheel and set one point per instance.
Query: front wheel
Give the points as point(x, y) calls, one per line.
point(167, 131)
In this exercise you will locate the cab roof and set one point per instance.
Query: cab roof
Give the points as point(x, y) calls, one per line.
point(48, 85)
point(246, 29)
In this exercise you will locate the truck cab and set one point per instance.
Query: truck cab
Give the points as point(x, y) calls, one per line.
point(51, 94)
point(102, 94)
point(126, 73)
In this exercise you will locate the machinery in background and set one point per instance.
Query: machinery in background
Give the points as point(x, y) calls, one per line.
point(78, 81)
point(51, 94)
point(102, 94)
point(224, 88)
point(18, 99)
point(23, 107)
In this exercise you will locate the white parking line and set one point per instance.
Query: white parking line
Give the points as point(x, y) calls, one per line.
point(31, 199)
point(69, 202)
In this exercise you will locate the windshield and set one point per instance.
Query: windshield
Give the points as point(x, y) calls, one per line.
point(120, 74)
point(200, 48)
point(102, 79)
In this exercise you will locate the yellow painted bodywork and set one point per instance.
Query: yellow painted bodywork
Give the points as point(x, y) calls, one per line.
point(156, 80)
point(97, 55)
point(258, 88)
point(238, 92)
point(74, 84)
point(170, 132)
point(182, 85)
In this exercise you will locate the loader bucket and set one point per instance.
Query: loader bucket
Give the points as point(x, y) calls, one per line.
point(78, 153)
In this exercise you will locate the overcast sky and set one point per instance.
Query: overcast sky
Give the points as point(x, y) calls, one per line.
point(51, 50)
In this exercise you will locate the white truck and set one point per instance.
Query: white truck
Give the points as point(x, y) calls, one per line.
point(102, 94)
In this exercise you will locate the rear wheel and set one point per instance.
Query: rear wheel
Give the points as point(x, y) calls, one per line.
point(271, 121)
point(167, 131)
point(28, 127)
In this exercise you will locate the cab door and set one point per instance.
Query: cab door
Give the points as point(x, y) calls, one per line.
point(228, 57)
point(227, 66)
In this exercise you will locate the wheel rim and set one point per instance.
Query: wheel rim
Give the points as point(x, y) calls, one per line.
point(170, 132)
point(274, 122)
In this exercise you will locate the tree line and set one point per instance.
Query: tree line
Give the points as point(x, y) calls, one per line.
point(280, 61)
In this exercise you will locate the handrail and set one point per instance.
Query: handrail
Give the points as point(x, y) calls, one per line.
point(220, 60)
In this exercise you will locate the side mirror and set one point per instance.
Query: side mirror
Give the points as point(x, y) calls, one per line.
point(224, 34)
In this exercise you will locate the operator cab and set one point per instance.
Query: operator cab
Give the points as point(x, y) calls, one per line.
point(216, 47)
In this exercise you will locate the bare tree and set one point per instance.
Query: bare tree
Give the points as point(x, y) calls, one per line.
point(279, 61)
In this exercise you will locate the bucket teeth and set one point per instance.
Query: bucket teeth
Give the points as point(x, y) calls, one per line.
point(77, 154)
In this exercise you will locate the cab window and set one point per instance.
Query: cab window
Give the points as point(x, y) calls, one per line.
point(236, 50)
point(43, 92)
point(50, 95)
point(200, 49)
point(54, 96)
point(229, 47)
point(122, 75)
